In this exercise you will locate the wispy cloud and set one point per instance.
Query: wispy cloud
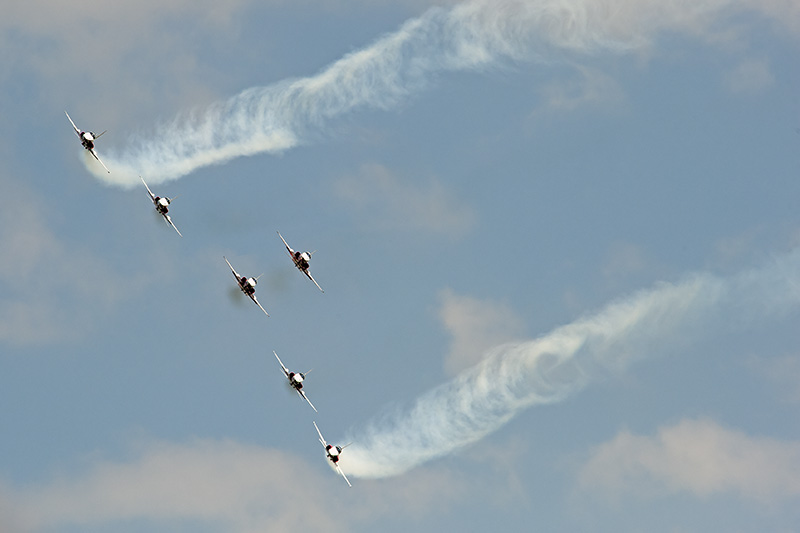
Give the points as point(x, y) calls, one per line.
point(475, 326)
point(750, 77)
point(45, 280)
point(386, 201)
point(696, 456)
point(591, 87)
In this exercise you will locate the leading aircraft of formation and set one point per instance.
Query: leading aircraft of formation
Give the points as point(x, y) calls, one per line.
point(332, 453)
point(246, 285)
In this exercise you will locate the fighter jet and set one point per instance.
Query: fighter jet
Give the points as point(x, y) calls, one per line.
point(332, 452)
point(87, 140)
point(161, 204)
point(247, 285)
point(301, 260)
point(295, 380)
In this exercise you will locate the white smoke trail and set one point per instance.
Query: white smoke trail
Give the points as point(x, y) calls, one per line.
point(470, 36)
point(555, 366)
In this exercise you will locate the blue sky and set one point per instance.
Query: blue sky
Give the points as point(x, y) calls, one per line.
point(558, 242)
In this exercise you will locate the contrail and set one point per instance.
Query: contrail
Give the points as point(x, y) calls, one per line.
point(551, 368)
point(473, 35)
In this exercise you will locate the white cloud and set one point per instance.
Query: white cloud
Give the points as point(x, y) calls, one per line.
point(389, 203)
point(475, 326)
point(237, 485)
point(45, 280)
point(99, 54)
point(750, 77)
point(699, 457)
point(227, 486)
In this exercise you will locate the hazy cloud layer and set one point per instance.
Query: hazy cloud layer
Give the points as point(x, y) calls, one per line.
point(225, 485)
point(240, 487)
point(76, 49)
point(43, 278)
point(696, 456)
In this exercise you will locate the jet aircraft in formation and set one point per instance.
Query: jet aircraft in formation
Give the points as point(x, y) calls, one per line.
point(295, 380)
point(161, 204)
point(87, 140)
point(246, 285)
point(301, 260)
point(332, 452)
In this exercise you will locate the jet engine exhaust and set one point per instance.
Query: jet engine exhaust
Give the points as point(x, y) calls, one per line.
point(471, 36)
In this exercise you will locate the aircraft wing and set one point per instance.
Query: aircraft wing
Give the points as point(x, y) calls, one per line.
point(166, 217)
point(77, 131)
point(285, 370)
point(307, 273)
point(338, 469)
point(235, 275)
point(253, 297)
point(288, 248)
point(152, 196)
point(303, 394)
point(98, 158)
point(321, 438)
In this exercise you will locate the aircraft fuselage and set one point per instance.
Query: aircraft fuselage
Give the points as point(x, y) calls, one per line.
point(161, 205)
point(333, 453)
point(296, 380)
point(301, 260)
point(248, 285)
point(87, 140)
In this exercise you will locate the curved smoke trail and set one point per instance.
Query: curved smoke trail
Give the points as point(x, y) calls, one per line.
point(549, 369)
point(470, 36)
